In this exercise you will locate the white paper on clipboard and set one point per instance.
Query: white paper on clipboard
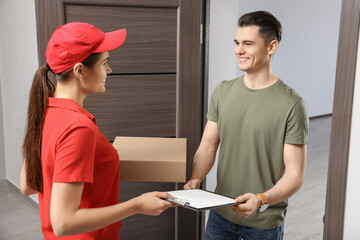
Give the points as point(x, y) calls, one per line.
point(200, 200)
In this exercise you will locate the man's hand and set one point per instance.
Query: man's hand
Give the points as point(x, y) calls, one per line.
point(248, 203)
point(192, 184)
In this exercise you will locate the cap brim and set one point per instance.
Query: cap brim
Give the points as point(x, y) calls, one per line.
point(112, 41)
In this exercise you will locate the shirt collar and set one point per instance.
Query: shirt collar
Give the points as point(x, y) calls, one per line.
point(71, 105)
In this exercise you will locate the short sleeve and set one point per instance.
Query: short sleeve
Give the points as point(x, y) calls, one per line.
point(297, 124)
point(75, 153)
point(212, 114)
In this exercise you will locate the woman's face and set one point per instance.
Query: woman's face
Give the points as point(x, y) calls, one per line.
point(94, 79)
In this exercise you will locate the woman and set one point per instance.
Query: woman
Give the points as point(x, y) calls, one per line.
point(67, 161)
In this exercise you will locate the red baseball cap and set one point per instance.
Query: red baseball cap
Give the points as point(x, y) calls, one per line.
point(75, 41)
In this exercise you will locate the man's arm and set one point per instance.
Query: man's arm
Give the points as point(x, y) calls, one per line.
point(289, 183)
point(205, 155)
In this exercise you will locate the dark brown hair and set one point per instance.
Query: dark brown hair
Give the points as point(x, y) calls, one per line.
point(269, 27)
point(42, 88)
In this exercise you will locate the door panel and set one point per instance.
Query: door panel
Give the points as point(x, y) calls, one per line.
point(151, 227)
point(147, 100)
point(150, 46)
point(155, 89)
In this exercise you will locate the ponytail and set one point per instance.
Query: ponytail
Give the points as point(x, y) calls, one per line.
point(40, 91)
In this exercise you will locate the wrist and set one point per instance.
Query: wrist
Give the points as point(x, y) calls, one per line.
point(259, 202)
point(264, 203)
point(135, 206)
point(195, 179)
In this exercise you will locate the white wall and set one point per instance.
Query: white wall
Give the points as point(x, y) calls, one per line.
point(222, 61)
point(18, 64)
point(2, 146)
point(223, 24)
point(305, 59)
point(352, 210)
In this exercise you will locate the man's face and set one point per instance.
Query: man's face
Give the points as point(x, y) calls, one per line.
point(250, 49)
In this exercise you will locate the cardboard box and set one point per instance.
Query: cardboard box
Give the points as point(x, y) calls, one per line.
point(145, 159)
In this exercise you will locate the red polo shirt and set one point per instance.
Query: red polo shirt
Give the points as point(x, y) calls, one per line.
point(74, 150)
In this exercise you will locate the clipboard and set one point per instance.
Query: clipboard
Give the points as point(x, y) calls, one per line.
point(199, 200)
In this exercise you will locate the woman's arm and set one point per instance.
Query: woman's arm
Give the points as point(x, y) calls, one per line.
point(68, 219)
point(25, 189)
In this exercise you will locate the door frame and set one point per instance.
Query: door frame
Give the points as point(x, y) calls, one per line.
point(341, 120)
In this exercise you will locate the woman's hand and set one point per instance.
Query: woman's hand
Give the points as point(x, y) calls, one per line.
point(248, 203)
point(25, 189)
point(152, 203)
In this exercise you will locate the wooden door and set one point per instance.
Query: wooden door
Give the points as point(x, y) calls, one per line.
point(155, 89)
point(346, 74)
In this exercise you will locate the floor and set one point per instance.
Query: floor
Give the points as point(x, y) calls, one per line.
point(19, 219)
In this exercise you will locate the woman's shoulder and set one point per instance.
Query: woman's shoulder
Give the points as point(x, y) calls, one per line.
point(67, 120)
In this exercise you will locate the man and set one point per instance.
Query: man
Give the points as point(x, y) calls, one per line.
point(262, 126)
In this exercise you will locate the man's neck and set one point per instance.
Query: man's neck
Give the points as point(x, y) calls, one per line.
point(260, 79)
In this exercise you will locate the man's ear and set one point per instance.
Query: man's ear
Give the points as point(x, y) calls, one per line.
point(78, 70)
point(272, 46)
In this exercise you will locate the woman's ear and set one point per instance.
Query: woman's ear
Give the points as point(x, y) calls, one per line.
point(272, 47)
point(78, 70)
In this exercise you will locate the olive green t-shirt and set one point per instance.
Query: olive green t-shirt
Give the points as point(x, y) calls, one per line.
point(253, 127)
